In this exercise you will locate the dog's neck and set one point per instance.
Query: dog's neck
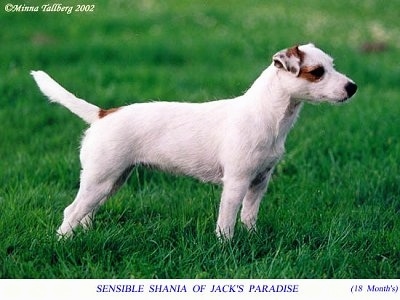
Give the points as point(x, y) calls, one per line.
point(271, 99)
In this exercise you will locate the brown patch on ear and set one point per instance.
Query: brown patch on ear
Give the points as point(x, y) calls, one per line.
point(105, 112)
point(295, 51)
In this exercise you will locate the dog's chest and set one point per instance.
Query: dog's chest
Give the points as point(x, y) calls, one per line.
point(269, 147)
point(284, 125)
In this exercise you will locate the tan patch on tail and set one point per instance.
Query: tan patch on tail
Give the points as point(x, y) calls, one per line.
point(105, 112)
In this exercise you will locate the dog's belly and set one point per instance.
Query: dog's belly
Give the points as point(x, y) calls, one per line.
point(206, 173)
point(179, 153)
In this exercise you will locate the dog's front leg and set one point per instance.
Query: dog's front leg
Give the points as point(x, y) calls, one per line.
point(252, 200)
point(232, 196)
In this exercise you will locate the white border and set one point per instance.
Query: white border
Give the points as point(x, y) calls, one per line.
point(237, 289)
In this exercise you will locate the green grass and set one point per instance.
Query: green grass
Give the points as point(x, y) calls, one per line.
point(332, 209)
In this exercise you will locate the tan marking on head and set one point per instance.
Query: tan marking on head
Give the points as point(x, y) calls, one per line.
point(306, 72)
point(105, 112)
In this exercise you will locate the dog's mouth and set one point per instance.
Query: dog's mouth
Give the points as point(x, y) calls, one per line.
point(350, 89)
point(343, 100)
point(336, 101)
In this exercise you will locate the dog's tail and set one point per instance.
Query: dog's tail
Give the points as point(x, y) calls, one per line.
point(56, 93)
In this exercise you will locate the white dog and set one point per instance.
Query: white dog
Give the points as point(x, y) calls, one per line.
point(236, 142)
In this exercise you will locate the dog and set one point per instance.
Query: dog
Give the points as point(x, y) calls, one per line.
point(234, 142)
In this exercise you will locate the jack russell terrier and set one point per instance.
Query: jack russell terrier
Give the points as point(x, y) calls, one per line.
point(234, 142)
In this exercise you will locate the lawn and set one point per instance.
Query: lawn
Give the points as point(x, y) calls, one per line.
point(333, 206)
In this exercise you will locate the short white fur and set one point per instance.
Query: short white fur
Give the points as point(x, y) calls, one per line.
point(234, 142)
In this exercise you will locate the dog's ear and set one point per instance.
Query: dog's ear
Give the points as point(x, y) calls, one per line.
point(289, 59)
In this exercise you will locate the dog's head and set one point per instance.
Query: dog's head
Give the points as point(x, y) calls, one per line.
point(308, 73)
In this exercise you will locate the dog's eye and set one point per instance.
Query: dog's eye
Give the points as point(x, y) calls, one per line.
point(318, 72)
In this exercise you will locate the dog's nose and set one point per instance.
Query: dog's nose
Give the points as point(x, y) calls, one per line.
point(350, 88)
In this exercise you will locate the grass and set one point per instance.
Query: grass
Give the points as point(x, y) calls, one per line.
point(332, 209)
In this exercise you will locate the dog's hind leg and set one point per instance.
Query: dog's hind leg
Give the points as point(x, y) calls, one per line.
point(86, 222)
point(81, 209)
point(92, 193)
